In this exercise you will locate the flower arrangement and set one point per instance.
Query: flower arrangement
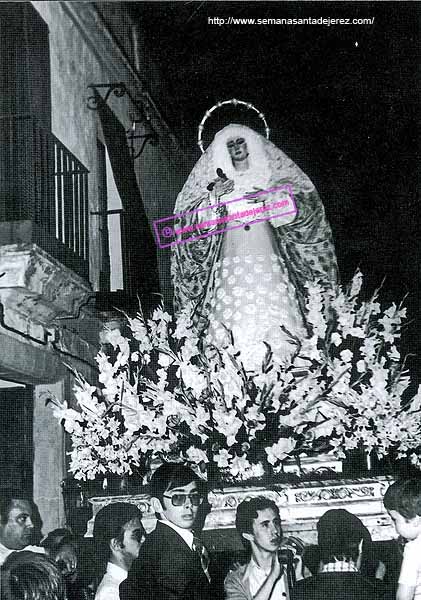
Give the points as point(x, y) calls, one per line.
point(163, 392)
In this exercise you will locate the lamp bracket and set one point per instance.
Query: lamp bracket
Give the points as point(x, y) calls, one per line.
point(119, 90)
point(150, 137)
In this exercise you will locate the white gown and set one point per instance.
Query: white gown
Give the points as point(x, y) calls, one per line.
point(251, 281)
point(252, 293)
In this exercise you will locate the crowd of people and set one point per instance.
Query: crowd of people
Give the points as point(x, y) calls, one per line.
point(172, 562)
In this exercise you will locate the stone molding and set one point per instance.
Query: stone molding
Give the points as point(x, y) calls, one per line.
point(35, 290)
point(38, 286)
point(300, 506)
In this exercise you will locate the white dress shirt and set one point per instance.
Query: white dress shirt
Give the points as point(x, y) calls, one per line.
point(256, 578)
point(4, 552)
point(108, 589)
point(410, 574)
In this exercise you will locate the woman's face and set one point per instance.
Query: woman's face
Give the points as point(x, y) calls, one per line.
point(237, 148)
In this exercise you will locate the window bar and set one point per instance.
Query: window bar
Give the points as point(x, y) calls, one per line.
point(72, 202)
point(51, 188)
point(81, 215)
point(86, 214)
point(77, 213)
point(33, 175)
point(68, 208)
point(59, 193)
point(40, 207)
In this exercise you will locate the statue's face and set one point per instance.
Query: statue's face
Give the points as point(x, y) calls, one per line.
point(237, 148)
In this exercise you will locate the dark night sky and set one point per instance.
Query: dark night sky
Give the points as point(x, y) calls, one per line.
point(342, 101)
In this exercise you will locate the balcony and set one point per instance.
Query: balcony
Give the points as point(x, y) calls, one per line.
point(43, 193)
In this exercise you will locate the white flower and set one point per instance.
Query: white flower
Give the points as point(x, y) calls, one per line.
point(280, 451)
point(114, 337)
point(136, 414)
point(140, 333)
point(239, 466)
point(162, 378)
point(361, 366)
point(257, 470)
point(357, 332)
point(346, 355)
point(196, 455)
point(159, 314)
point(357, 281)
point(231, 383)
point(189, 348)
point(228, 424)
point(164, 360)
point(336, 339)
point(222, 458)
point(70, 417)
point(184, 324)
point(309, 349)
point(394, 353)
point(199, 425)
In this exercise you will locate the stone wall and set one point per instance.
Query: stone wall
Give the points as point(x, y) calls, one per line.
point(49, 459)
point(82, 53)
point(36, 291)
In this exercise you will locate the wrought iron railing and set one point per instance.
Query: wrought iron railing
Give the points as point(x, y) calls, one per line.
point(43, 193)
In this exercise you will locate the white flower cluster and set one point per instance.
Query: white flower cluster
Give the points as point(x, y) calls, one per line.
point(361, 379)
point(163, 392)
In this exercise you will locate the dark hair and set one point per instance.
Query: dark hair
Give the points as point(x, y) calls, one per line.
point(247, 511)
point(7, 497)
point(58, 538)
point(172, 475)
point(339, 535)
point(108, 525)
point(405, 497)
point(31, 576)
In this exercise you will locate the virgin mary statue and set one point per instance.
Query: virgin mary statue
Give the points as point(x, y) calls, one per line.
point(251, 279)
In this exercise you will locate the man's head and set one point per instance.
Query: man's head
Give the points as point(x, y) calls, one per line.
point(16, 520)
point(118, 533)
point(402, 501)
point(259, 524)
point(341, 536)
point(177, 493)
point(30, 576)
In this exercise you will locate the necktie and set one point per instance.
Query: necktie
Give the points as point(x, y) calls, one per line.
point(200, 549)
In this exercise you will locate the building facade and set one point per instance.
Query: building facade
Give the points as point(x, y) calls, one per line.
point(66, 246)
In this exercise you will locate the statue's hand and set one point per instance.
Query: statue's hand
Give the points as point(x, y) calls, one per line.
point(221, 185)
point(275, 204)
point(256, 196)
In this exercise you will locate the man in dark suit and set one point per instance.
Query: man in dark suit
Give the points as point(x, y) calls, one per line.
point(341, 536)
point(173, 564)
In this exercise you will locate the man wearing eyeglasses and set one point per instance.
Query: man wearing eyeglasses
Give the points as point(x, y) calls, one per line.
point(173, 563)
